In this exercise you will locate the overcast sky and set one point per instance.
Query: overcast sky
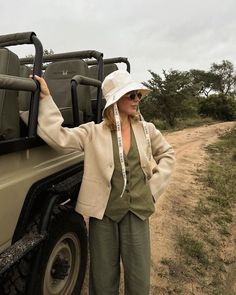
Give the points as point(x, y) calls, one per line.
point(153, 34)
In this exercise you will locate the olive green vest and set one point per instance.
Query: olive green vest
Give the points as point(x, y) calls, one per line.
point(137, 197)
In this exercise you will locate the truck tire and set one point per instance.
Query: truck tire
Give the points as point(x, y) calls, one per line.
point(13, 282)
point(64, 256)
point(63, 263)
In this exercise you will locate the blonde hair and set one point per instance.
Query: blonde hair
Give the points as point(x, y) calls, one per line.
point(109, 118)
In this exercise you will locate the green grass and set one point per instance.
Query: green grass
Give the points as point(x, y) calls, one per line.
point(200, 250)
point(184, 123)
point(192, 248)
point(221, 178)
point(217, 207)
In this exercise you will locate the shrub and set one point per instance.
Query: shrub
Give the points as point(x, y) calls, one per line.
point(220, 107)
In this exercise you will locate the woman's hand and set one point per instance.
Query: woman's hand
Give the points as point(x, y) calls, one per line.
point(44, 91)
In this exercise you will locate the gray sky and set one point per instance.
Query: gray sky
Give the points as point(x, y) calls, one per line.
point(153, 34)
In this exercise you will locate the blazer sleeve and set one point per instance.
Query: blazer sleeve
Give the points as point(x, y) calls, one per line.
point(61, 138)
point(164, 160)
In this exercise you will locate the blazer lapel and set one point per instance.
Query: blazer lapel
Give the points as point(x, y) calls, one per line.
point(106, 144)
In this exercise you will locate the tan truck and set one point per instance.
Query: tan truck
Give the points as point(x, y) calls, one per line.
point(43, 241)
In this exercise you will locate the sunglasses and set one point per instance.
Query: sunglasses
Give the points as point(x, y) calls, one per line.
point(131, 95)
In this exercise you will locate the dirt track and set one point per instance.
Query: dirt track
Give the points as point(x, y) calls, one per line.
point(181, 195)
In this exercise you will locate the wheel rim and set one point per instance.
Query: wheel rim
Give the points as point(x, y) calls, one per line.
point(63, 266)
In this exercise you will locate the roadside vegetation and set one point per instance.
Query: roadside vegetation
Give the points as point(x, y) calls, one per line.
point(218, 208)
point(200, 246)
point(180, 124)
point(182, 99)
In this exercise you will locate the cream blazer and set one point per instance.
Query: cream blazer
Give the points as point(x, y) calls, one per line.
point(96, 142)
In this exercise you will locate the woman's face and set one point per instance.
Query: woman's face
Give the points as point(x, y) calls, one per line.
point(129, 102)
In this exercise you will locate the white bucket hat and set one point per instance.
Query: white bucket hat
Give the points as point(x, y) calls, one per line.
point(114, 86)
point(117, 84)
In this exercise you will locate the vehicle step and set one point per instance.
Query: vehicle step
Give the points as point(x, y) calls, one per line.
point(19, 249)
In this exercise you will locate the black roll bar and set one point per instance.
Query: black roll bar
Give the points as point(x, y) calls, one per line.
point(64, 56)
point(84, 54)
point(17, 83)
point(71, 55)
point(28, 38)
point(82, 80)
point(34, 103)
point(112, 60)
point(16, 39)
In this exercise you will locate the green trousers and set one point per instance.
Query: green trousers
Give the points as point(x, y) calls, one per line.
point(109, 242)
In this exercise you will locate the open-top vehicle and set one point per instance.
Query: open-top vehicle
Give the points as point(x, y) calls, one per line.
point(43, 241)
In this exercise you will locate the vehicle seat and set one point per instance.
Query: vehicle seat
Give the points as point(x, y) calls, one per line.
point(58, 76)
point(9, 106)
point(107, 69)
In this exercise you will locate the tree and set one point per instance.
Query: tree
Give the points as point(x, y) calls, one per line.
point(219, 106)
point(204, 80)
point(45, 52)
point(226, 77)
point(48, 52)
point(171, 95)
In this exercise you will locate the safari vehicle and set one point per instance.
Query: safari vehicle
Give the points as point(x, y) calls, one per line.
point(43, 241)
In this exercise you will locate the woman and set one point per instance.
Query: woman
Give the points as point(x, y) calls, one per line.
point(127, 166)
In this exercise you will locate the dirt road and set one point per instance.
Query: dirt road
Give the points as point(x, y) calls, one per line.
point(181, 195)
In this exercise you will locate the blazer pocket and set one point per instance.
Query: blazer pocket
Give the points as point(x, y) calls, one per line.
point(91, 190)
